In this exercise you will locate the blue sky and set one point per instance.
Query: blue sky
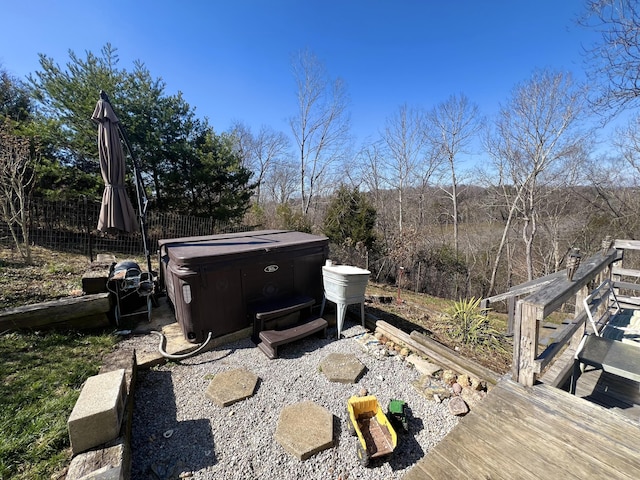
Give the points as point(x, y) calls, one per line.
point(232, 59)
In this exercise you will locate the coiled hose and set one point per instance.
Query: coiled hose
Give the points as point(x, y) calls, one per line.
point(161, 349)
point(183, 355)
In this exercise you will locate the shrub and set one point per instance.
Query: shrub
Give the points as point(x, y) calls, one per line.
point(471, 325)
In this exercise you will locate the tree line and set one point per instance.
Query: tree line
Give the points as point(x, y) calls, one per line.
point(406, 198)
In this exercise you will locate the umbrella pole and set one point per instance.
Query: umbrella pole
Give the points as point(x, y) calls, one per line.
point(142, 198)
point(140, 192)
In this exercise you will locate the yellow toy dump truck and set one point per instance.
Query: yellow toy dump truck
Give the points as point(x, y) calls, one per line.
point(375, 433)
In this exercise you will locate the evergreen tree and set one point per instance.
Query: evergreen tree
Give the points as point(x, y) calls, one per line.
point(186, 167)
point(350, 219)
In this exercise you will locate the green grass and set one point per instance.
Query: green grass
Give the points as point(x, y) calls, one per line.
point(42, 375)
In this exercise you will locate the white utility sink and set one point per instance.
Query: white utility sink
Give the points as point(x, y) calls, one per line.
point(344, 285)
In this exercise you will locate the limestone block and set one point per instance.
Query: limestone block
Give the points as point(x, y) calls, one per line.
point(97, 415)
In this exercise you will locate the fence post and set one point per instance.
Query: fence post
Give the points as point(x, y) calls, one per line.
point(88, 224)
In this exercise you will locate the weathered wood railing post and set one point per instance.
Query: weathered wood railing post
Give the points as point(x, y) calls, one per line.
point(526, 333)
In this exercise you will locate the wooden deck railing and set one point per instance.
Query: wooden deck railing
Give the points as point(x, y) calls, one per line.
point(528, 361)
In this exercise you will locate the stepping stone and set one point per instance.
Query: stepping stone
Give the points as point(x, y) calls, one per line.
point(423, 366)
point(342, 368)
point(229, 387)
point(305, 429)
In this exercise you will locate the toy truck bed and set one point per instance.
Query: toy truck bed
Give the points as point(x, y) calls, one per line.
point(375, 434)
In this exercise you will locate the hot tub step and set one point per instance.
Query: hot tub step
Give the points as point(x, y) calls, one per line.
point(272, 339)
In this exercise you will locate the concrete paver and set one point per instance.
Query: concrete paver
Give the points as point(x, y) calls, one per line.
point(305, 429)
point(232, 386)
point(342, 368)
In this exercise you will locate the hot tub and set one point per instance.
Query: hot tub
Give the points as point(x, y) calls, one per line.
point(344, 285)
point(212, 280)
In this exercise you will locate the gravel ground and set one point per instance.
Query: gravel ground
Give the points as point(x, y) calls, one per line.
point(238, 442)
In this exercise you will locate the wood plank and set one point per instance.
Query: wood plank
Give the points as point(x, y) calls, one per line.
point(566, 444)
point(610, 391)
point(55, 311)
point(439, 353)
point(524, 288)
point(600, 421)
point(627, 244)
point(561, 369)
point(418, 473)
point(466, 365)
point(481, 449)
point(627, 286)
point(625, 272)
point(528, 341)
point(559, 341)
point(561, 291)
point(520, 423)
point(535, 432)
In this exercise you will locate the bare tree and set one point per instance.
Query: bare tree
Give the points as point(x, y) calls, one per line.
point(614, 62)
point(535, 136)
point(321, 125)
point(405, 141)
point(16, 182)
point(261, 153)
point(280, 183)
point(454, 124)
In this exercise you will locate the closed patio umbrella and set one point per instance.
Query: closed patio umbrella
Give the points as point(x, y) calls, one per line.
point(116, 212)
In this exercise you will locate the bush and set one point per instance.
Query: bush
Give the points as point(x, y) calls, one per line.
point(471, 325)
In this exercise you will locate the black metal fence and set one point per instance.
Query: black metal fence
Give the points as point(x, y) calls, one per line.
point(71, 226)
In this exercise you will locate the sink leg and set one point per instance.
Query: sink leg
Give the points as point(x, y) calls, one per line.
point(342, 310)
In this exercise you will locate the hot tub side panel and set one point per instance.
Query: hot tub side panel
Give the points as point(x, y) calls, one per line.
point(209, 300)
point(212, 295)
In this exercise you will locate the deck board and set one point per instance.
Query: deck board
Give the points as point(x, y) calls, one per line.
point(610, 391)
point(535, 433)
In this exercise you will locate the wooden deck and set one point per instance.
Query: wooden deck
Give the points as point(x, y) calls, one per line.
point(612, 392)
point(538, 432)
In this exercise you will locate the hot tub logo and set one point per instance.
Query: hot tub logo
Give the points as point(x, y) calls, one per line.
point(270, 268)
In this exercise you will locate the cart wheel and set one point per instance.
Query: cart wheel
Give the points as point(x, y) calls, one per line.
point(149, 307)
point(363, 455)
point(154, 300)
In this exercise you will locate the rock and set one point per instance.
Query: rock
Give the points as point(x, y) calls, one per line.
point(457, 388)
point(472, 397)
point(449, 377)
point(464, 380)
point(404, 352)
point(457, 406)
point(363, 392)
point(478, 384)
point(431, 389)
point(423, 366)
